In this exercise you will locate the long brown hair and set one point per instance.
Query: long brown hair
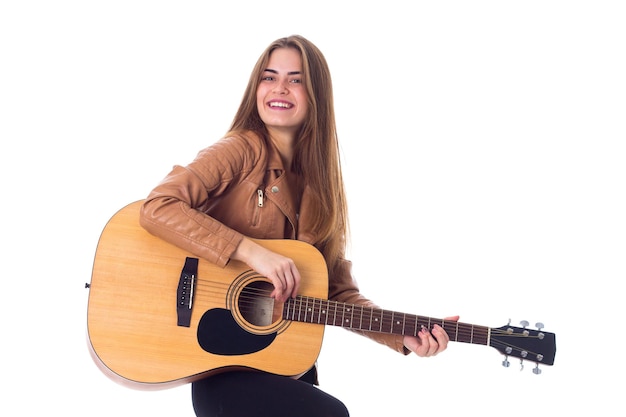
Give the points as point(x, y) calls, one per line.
point(316, 153)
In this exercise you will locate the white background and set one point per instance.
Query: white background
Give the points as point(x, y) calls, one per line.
point(482, 145)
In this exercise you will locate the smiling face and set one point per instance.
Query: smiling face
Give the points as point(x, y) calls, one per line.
point(281, 96)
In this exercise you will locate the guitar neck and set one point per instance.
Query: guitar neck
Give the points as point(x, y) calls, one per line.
point(356, 317)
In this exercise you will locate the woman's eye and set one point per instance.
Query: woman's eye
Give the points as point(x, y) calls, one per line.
point(296, 81)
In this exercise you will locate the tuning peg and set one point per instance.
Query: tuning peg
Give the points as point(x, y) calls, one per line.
point(506, 362)
point(521, 364)
point(536, 370)
point(539, 325)
point(524, 323)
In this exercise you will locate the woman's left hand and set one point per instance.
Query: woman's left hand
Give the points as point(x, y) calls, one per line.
point(429, 342)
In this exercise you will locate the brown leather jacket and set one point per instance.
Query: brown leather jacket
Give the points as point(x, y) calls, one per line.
point(233, 188)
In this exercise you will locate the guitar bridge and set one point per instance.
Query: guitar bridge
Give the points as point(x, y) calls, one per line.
point(185, 291)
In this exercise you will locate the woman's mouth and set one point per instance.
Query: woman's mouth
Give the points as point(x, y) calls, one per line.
point(280, 104)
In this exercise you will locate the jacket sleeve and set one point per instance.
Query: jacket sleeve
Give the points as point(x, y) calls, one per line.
point(344, 288)
point(175, 209)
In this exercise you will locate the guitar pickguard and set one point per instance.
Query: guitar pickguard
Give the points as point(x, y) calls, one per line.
point(220, 334)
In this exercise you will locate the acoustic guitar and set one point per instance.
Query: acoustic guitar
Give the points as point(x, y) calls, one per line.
point(159, 317)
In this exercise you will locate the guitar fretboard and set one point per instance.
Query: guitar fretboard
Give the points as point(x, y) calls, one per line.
point(356, 317)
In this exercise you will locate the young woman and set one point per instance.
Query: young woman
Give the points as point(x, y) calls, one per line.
point(275, 175)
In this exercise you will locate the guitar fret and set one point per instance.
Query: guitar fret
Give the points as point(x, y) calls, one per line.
point(319, 314)
point(408, 324)
point(351, 310)
point(386, 322)
point(342, 319)
point(286, 313)
point(329, 311)
point(299, 310)
point(482, 336)
point(361, 319)
point(307, 311)
point(377, 320)
point(313, 311)
point(423, 324)
point(465, 334)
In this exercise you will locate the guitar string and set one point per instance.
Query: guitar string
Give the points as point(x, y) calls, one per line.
point(249, 296)
point(461, 332)
point(367, 315)
point(376, 317)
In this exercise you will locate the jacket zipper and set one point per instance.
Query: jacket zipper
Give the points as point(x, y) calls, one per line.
point(259, 205)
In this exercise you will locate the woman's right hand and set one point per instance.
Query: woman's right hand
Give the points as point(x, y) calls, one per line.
point(279, 269)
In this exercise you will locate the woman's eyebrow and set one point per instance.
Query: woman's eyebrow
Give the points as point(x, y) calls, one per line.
point(276, 72)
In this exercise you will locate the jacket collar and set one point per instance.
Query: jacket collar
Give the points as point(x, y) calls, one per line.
point(279, 191)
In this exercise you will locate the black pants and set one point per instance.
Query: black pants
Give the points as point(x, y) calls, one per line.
point(258, 394)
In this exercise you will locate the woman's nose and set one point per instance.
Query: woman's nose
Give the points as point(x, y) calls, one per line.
point(281, 87)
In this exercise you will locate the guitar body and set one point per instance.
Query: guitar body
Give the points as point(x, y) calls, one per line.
point(132, 318)
point(159, 317)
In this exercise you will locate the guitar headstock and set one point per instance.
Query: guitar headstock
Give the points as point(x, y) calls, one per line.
point(532, 345)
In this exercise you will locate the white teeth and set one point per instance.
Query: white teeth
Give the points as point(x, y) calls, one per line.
point(283, 105)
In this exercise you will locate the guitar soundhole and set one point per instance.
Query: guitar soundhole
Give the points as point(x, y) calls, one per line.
point(256, 305)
